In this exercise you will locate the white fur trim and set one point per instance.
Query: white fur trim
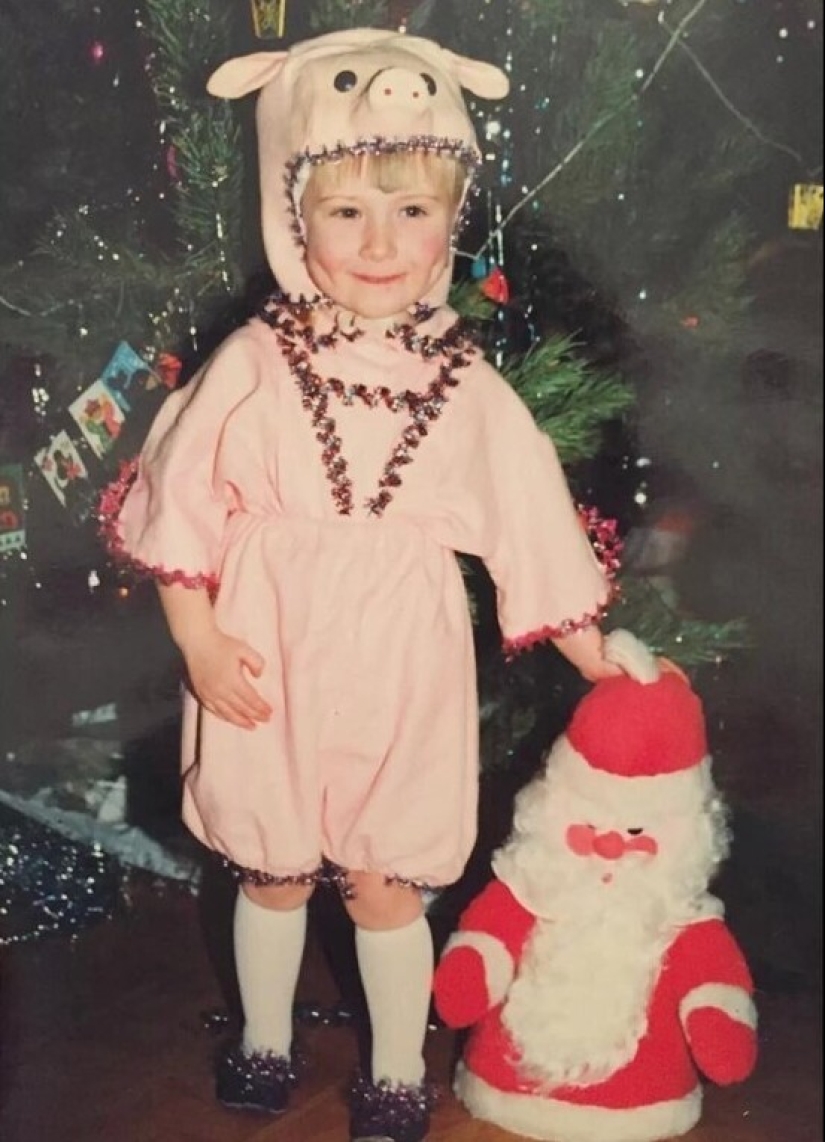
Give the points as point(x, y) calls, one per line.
point(683, 792)
point(578, 1007)
point(623, 649)
point(498, 963)
point(733, 1001)
point(549, 1119)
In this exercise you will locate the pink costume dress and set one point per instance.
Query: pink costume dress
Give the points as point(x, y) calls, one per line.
point(370, 759)
point(320, 485)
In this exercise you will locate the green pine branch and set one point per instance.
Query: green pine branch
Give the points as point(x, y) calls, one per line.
point(99, 274)
point(716, 291)
point(570, 399)
point(468, 300)
point(691, 642)
point(336, 15)
point(190, 39)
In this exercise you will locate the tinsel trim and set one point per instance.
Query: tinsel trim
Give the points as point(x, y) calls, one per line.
point(337, 877)
point(607, 545)
point(259, 1081)
point(260, 1067)
point(423, 144)
point(260, 879)
point(396, 1110)
point(460, 336)
point(273, 309)
point(514, 646)
point(298, 343)
point(605, 540)
point(109, 506)
point(50, 885)
point(407, 882)
point(327, 875)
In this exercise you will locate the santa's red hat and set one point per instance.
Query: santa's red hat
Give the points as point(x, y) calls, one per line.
point(645, 723)
point(646, 726)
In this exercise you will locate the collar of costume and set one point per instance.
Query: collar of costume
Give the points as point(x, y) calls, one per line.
point(296, 328)
point(318, 323)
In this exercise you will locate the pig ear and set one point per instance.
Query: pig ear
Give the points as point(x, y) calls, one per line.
point(239, 76)
point(483, 79)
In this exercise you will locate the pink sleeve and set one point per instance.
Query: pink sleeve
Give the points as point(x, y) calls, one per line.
point(166, 516)
point(548, 579)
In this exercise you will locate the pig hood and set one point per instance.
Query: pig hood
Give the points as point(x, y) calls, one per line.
point(361, 91)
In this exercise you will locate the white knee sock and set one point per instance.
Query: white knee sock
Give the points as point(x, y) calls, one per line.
point(269, 947)
point(397, 973)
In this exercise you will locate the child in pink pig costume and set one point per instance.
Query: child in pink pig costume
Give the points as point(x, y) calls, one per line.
point(300, 504)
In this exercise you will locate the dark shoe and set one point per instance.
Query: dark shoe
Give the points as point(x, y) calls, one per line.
point(385, 1113)
point(253, 1082)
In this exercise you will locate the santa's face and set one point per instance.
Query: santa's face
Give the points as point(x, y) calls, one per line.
point(611, 846)
point(604, 844)
point(582, 839)
point(614, 842)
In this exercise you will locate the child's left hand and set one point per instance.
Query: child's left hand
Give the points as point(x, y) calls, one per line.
point(585, 650)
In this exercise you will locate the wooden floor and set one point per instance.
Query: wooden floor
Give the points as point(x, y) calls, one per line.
point(105, 1040)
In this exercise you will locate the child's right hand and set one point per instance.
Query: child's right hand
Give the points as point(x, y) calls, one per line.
point(217, 666)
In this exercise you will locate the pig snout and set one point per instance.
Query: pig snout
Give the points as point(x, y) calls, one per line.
point(401, 90)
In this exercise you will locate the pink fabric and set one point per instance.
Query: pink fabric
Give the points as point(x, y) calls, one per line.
point(108, 514)
point(371, 757)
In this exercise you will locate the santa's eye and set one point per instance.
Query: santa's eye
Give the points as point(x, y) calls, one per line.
point(346, 80)
point(635, 832)
point(432, 86)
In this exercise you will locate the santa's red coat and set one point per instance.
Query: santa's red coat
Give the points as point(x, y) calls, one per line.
point(700, 1014)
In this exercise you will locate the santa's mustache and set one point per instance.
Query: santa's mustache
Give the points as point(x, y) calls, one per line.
point(585, 841)
point(580, 886)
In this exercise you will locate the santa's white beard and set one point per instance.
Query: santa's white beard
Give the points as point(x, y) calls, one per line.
point(578, 1007)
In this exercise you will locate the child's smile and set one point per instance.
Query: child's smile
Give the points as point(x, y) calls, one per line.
point(373, 252)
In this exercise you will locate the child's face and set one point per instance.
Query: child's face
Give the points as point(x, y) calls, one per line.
point(377, 253)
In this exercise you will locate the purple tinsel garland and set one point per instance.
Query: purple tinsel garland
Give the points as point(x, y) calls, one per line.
point(49, 884)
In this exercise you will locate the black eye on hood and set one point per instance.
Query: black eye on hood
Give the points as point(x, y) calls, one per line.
point(346, 80)
point(432, 86)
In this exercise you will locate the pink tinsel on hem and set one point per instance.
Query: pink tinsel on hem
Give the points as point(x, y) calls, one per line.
point(607, 544)
point(109, 507)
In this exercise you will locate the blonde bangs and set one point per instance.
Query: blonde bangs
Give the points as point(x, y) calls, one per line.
point(392, 173)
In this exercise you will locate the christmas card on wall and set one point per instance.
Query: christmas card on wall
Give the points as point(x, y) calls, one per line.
point(128, 376)
point(67, 475)
point(12, 512)
point(99, 417)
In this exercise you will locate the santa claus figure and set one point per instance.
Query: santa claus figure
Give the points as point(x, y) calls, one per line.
point(595, 969)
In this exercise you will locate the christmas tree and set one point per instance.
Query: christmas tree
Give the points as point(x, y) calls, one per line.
point(634, 153)
point(102, 309)
point(139, 283)
point(59, 153)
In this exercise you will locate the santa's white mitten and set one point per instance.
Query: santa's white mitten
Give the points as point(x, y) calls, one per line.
point(724, 1048)
point(460, 987)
